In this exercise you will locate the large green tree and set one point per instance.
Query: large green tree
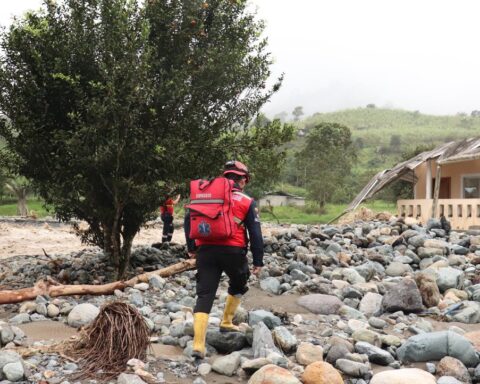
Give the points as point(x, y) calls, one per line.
point(325, 161)
point(262, 148)
point(110, 104)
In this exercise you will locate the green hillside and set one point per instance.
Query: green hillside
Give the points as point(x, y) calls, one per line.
point(373, 130)
point(381, 136)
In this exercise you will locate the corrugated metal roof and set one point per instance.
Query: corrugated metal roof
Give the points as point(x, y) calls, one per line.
point(454, 151)
point(464, 150)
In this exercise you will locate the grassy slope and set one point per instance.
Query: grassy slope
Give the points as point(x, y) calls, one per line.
point(375, 126)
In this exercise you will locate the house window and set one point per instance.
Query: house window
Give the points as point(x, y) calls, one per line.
point(471, 187)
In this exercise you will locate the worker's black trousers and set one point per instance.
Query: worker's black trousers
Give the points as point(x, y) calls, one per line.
point(212, 260)
point(167, 220)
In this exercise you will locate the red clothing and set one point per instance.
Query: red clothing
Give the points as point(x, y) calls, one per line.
point(167, 207)
point(241, 205)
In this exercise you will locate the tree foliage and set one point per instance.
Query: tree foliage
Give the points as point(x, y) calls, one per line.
point(263, 151)
point(113, 103)
point(297, 113)
point(326, 160)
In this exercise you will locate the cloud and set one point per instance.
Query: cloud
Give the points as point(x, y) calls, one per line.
point(347, 53)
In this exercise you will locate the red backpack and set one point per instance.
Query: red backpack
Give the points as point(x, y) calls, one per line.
point(211, 209)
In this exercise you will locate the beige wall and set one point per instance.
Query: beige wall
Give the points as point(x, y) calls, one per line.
point(455, 171)
point(461, 213)
point(279, 201)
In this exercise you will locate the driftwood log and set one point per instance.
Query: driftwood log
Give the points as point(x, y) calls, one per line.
point(52, 288)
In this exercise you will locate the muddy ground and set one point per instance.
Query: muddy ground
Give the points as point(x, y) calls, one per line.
point(33, 238)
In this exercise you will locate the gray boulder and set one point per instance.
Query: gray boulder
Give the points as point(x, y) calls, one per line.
point(260, 315)
point(263, 343)
point(6, 334)
point(227, 365)
point(371, 304)
point(251, 366)
point(7, 357)
point(397, 269)
point(353, 368)
point(404, 296)
point(336, 351)
point(474, 292)
point(321, 304)
point(417, 241)
point(226, 342)
point(21, 318)
point(468, 313)
point(82, 314)
point(14, 371)
point(449, 277)
point(375, 355)
point(299, 275)
point(424, 252)
point(270, 284)
point(352, 276)
point(284, 339)
point(436, 345)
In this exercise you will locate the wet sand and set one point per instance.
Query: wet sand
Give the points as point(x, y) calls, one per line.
point(33, 239)
point(47, 330)
point(255, 298)
point(163, 354)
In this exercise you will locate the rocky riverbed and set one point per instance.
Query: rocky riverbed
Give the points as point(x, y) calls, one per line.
point(379, 302)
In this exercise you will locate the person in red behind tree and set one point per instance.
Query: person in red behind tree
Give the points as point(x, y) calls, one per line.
point(166, 214)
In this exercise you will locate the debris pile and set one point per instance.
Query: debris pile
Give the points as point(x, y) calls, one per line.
point(365, 301)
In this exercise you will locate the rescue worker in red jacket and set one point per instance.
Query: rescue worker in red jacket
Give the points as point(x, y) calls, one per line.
point(229, 256)
point(166, 214)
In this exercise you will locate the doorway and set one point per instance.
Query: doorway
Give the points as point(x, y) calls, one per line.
point(445, 187)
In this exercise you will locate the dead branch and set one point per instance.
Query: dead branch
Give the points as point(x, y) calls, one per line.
point(52, 288)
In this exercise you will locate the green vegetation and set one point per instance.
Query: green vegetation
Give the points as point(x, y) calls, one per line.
point(323, 162)
point(136, 98)
point(305, 215)
point(382, 138)
point(383, 134)
point(34, 204)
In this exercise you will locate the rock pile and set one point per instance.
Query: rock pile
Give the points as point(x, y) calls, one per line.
point(378, 293)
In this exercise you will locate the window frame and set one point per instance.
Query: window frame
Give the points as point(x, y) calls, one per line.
point(468, 176)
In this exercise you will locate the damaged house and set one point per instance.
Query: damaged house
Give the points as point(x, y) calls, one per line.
point(446, 182)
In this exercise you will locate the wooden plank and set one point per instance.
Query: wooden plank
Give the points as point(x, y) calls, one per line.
point(436, 193)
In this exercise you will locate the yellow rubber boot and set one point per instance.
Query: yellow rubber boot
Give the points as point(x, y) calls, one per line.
point(230, 307)
point(200, 324)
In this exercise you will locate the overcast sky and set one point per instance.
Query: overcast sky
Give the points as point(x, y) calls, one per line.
point(410, 54)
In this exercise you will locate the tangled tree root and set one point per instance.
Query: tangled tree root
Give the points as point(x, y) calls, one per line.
point(118, 334)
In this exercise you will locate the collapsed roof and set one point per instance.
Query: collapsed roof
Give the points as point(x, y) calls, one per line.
point(452, 152)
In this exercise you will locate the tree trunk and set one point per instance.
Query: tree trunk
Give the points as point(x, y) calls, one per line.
point(125, 253)
point(22, 208)
point(116, 239)
point(54, 289)
point(107, 242)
